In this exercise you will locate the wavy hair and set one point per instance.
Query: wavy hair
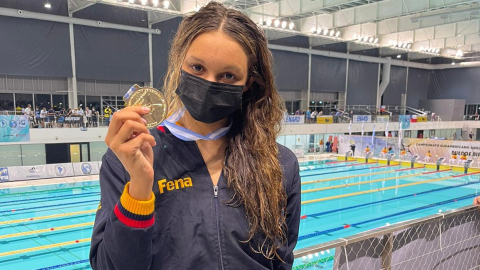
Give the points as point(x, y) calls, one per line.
point(252, 168)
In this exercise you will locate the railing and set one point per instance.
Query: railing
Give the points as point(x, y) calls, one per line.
point(58, 120)
point(447, 240)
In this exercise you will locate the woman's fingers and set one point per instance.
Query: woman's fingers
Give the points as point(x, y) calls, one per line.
point(128, 129)
point(119, 118)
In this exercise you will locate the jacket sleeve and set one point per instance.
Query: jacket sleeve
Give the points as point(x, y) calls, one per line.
point(293, 217)
point(123, 230)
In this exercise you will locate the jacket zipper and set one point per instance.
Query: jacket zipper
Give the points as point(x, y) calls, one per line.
point(215, 193)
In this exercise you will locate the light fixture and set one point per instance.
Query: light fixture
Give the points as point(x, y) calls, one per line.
point(459, 53)
point(313, 30)
point(399, 56)
point(269, 22)
point(284, 24)
point(405, 45)
point(166, 4)
point(155, 3)
point(325, 31)
point(354, 36)
point(144, 2)
point(370, 39)
point(197, 8)
point(437, 51)
point(291, 25)
point(332, 32)
point(48, 5)
point(409, 45)
point(131, 1)
point(376, 40)
point(337, 34)
point(400, 44)
point(453, 63)
point(277, 23)
point(421, 48)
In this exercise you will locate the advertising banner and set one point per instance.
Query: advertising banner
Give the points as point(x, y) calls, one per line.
point(40, 171)
point(383, 118)
point(85, 168)
point(324, 119)
point(14, 128)
point(362, 118)
point(295, 119)
point(421, 118)
point(405, 120)
point(70, 119)
point(4, 174)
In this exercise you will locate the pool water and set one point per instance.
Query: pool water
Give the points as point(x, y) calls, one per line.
point(49, 227)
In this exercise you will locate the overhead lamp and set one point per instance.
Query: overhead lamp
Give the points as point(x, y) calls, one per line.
point(284, 24)
point(277, 23)
point(291, 25)
point(459, 53)
point(166, 4)
point(269, 22)
point(409, 45)
point(421, 48)
point(313, 30)
point(400, 44)
point(155, 3)
point(376, 40)
point(453, 63)
point(48, 5)
point(399, 56)
point(325, 31)
point(337, 34)
point(437, 51)
point(144, 2)
point(131, 1)
point(332, 32)
point(370, 39)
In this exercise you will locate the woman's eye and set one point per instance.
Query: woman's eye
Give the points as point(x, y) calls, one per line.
point(197, 68)
point(229, 76)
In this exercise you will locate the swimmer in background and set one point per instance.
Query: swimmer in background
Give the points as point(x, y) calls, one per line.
point(384, 152)
point(403, 153)
point(453, 159)
point(428, 157)
point(367, 150)
point(390, 150)
point(463, 159)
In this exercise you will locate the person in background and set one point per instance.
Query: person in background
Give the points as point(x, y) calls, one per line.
point(43, 115)
point(337, 116)
point(313, 116)
point(88, 114)
point(352, 147)
point(367, 150)
point(94, 117)
point(309, 112)
point(37, 116)
point(454, 136)
point(80, 111)
point(321, 145)
point(470, 135)
point(453, 159)
point(428, 156)
point(420, 135)
point(107, 112)
point(403, 153)
point(390, 150)
point(297, 112)
point(320, 113)
point(463, 159)
point(384, 152)
point(433, 116)
point(327, 145)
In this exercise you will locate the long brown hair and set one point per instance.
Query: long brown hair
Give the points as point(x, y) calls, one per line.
point(252, 169)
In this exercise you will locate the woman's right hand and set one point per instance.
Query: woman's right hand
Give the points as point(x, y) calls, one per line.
point(130, 140)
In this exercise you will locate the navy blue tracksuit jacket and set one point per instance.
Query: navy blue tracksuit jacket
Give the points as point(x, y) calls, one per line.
point(188, 224)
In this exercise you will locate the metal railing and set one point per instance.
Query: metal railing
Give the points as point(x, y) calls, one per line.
point(447, 240)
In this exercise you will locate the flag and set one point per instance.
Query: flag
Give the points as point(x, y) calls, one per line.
point(350, 128)
point(400, 135)
point(386, 129)
point(362, 128)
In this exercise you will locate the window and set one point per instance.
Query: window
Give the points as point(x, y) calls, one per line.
point(81, 101)
point(60, 102)
point(6, 102)
point(42, 100)
point(93, 102)
point(23, 100)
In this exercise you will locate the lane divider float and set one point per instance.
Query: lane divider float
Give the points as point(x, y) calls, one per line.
point(47, 217)
point(47, 206)
point(52, 197)
point(26, 250)
point(13, 235)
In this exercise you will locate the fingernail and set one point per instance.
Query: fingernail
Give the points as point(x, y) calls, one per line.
point(146, 109)
point(144, 121)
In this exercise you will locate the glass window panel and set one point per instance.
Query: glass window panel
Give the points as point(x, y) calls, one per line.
point(6, 102)
point(74, 152)
point(33, 154)
point(42, 100)
point(10, 155)
point(97, 150)
point(22, 100)
point(60, 102)
point(81, 101)
point(84, 152)
point(93, 102)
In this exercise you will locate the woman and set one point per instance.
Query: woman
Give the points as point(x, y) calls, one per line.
point(232, 201)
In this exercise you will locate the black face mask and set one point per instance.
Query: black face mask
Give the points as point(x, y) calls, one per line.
point(206, 101)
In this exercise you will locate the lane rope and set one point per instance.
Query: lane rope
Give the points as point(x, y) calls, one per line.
point(387, 200)
point(52, 197)
point(47, 217)
point(386, 188)
point(353, 176)
point(46, 191)
point(315, 174)
point(13, 235)
point(386, 216)
point(364, 182)
point(63, 265)
point(46, 206)
point(26, 250)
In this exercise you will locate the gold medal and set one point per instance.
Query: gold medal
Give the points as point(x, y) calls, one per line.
point(151, 98)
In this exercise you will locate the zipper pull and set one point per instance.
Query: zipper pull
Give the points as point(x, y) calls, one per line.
point(215, 191)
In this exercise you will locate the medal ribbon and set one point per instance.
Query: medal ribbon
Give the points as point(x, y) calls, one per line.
point(185, 134)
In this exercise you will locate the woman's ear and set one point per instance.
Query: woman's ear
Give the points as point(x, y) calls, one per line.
point(248, 84)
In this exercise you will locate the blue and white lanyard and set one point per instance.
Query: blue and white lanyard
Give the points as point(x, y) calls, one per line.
point(188, 135)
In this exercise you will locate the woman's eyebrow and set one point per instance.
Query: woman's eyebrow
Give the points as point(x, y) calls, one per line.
point(197, 59)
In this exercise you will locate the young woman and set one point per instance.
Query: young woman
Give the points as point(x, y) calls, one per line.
point(172, 201)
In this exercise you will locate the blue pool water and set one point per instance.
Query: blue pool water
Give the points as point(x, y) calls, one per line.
point(354, 197)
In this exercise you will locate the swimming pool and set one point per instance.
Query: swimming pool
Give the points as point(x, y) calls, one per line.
point(49, 227)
